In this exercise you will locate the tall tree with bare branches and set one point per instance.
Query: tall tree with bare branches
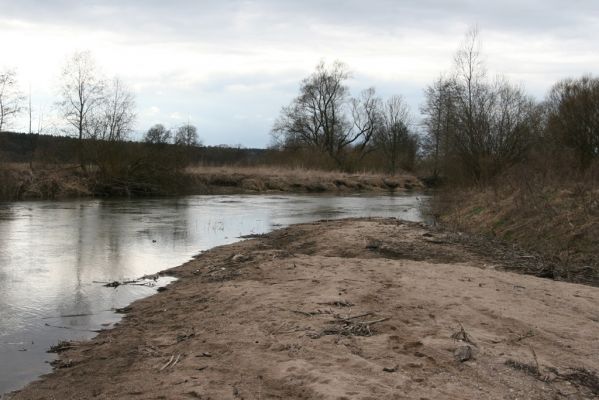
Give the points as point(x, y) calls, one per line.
point(324, 117)
point(115, 114)
point(82, 92)
point(484, 125)
point(393, 136)
point(573, 122)
point(10, 97)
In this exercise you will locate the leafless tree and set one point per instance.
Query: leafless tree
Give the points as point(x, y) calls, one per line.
point(324, 117)
point(487, 125)
point(573, 120)
point(187, 135)
point(10, 97)
point(393, 136)
point(471, 94)
point(82, 92)
point(158, 134)
point(366, 118)
point(115, 114)
point(438, 111)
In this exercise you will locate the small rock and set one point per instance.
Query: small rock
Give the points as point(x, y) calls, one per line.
point(463, 353)
point(240, 258)
point(394, 369)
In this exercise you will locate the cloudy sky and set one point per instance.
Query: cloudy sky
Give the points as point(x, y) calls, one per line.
point(228, 66)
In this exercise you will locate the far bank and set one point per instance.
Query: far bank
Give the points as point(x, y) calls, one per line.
point(20, 181)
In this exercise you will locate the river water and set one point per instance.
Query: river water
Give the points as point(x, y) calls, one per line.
point(54, 256)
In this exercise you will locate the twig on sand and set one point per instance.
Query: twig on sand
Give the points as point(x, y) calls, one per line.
point(357, 316)
point(463, 336)
point(338, 303)
point(527, 335)
point(171, 362)
point(307, 313)
point(168, 362)
point(176, 361)
point(534, 355)
point(349, 327)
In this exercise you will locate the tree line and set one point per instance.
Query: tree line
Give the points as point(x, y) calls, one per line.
point(473, 127)
point(326, 118)
point(100, 114)
point(93, 106)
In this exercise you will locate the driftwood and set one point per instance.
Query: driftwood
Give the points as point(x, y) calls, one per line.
point(73, 315)
point(73, 329)
point(115, 284)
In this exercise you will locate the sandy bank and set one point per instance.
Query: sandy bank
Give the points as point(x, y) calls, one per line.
point(351, 309)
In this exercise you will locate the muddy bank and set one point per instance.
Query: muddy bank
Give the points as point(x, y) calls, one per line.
point(350, 309)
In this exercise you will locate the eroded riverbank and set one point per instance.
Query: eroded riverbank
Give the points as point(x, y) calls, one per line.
point(349, 309)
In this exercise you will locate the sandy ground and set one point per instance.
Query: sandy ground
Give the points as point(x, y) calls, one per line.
point(352, 309)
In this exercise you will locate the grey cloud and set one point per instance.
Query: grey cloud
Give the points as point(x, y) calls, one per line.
point(250, 27)
point(273, 20)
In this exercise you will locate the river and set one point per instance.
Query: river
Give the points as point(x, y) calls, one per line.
point(55, 255)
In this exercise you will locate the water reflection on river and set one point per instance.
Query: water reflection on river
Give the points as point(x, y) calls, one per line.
point(52, 253)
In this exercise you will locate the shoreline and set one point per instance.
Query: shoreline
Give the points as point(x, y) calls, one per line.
point(20, 182)
point(349, 308)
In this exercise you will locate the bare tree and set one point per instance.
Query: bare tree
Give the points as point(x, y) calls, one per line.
point(10, 97)
point(82, 92)
point(109, 124)
point(187, 135)
point(366, 118)
point(573, 107)
point(324, 117)
point(439, 121)
point(484, 125)
point(393, 136)
point(158, 134)
point(470, 93)
point(115, 113)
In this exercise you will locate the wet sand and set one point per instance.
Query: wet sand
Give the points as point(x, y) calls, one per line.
point(349, 309)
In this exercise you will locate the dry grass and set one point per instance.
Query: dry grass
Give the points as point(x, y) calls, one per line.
point(19, 181)
point(555, 218)
point(263, 179)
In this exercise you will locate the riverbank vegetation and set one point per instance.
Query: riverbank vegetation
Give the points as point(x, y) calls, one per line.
point(514, 168)
point(359, 144)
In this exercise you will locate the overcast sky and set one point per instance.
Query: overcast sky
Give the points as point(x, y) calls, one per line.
point(229, 66)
